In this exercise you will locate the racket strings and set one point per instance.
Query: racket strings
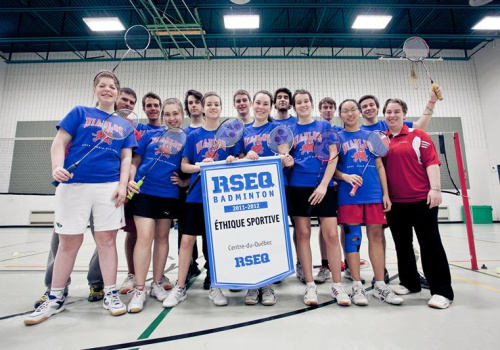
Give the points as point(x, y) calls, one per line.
point(281, 139)
point(137, 38)
point(327, 145)
point(119, 125)
point(172, 142)
point(415, 49)
point(378, 144)
point(229, 133)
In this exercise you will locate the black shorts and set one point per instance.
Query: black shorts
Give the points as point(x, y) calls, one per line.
point(300, 206)
point(181, 210)
point(195, 220)
point(154, 207)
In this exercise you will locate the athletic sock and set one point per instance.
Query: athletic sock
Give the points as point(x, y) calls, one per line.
point(310, 283)
point(57, 292)
point(324, 263)
point(109, 289)
point(379, 283)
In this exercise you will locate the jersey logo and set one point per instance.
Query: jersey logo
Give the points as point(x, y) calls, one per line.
point(257, 147)
point(360, 156)
point(165, 149)
point(100, 135)
point(307, 147)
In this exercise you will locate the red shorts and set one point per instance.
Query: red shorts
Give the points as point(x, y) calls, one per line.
point(369, 214)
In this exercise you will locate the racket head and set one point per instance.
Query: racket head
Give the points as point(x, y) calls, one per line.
point(378, 143)
point(229, 132)
point(137, 38)
point(327, 145)
point(172, 141)
point(415, 49)
point(281, 140)
point(120, 124)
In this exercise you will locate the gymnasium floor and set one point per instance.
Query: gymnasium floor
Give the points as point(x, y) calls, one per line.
point(470, 323)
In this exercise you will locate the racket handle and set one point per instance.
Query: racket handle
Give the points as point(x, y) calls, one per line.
point(354, 190)
point(138, 184)
point(436, 90)
point(192, 184)
point(70, 170)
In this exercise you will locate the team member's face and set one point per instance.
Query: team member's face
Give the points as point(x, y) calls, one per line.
point(106, 91)
point(369, 108)
point(194, 106)
point(282, 101)
point(303, 105)
point(242, 104)
point(394, 116)
point(152, 109)
point(350, 114)
point(327, 111)
point(261, 107)
point(125, 101)
point(212, 108)
point(172, 116)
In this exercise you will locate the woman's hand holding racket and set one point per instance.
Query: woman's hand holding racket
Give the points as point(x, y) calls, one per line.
point(353, 179)
point(132, 187)
point(60, 174)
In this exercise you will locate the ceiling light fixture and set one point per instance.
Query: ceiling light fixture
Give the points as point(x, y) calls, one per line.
point(241, 21)
point(104, 24)
point(371, 22)
point(488, 23)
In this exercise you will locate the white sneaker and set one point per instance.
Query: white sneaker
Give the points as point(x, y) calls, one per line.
point(268, 297)
point(385, 293)
point(216, 295)
point(128, 284)
point(311, 295)
point(176, 295)
point(299, 272)
point(400, 290)
point(323, 275)
point(137, 303)
point(113, 303)
point(340, 295)
point(158, 292)
point(252, 297)
point(49, 307)
point(348, 275)
point(439, 302)
point(165, 282)
point(358, 295)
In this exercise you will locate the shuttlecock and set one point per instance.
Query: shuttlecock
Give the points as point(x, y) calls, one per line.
point(497, 270)
point(16, 254)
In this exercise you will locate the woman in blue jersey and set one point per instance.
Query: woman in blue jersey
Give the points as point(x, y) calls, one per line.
point(154, 205)
point(366, 207)
point(199, 148)
point(310, 197)
point(254, 144)
point(98, 185)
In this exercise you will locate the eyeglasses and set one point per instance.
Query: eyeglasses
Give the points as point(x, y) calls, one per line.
point(352, 110)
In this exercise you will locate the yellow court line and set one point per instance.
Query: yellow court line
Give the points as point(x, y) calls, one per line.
point(476, 284)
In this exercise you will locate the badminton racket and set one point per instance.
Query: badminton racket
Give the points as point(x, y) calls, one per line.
point(137, 39)
point(227, 135)
point(170, 143)
point(326, 148)
point(378, 145)
point(281, 140)
point(416, 50)
point(116, 126)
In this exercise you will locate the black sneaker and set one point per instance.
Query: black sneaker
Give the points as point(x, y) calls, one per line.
point(386, 278)
point(96, 293)
point(192, 272)
point(206, 283)
point(423, 281)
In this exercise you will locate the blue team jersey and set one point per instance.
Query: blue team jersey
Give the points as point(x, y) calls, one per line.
point(143, 128)
point(157, 183)
point(189, 129)
point(305, 171)
point(249, 124)
point(337, 128)
point(381, 125)
point(103, 163)
point(353, 158)
point(288, 121)
point(199, 145)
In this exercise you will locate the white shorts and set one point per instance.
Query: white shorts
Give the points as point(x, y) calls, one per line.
point(75, 202)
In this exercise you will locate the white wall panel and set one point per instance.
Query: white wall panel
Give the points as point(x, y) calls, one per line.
point(48, 91)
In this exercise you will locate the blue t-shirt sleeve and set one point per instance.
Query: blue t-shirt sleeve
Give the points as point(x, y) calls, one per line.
point(409, 124)
point(143, 144)
point(188, 149)
point(71, 122)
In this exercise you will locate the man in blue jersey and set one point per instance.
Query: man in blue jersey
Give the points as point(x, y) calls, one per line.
point(242, 102)
point(282, 103)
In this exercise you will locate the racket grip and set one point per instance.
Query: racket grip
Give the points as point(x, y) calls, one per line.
point(192, 184)
point(354, 190)
point(70, 170)
point(138, 184)
point(438, 94)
